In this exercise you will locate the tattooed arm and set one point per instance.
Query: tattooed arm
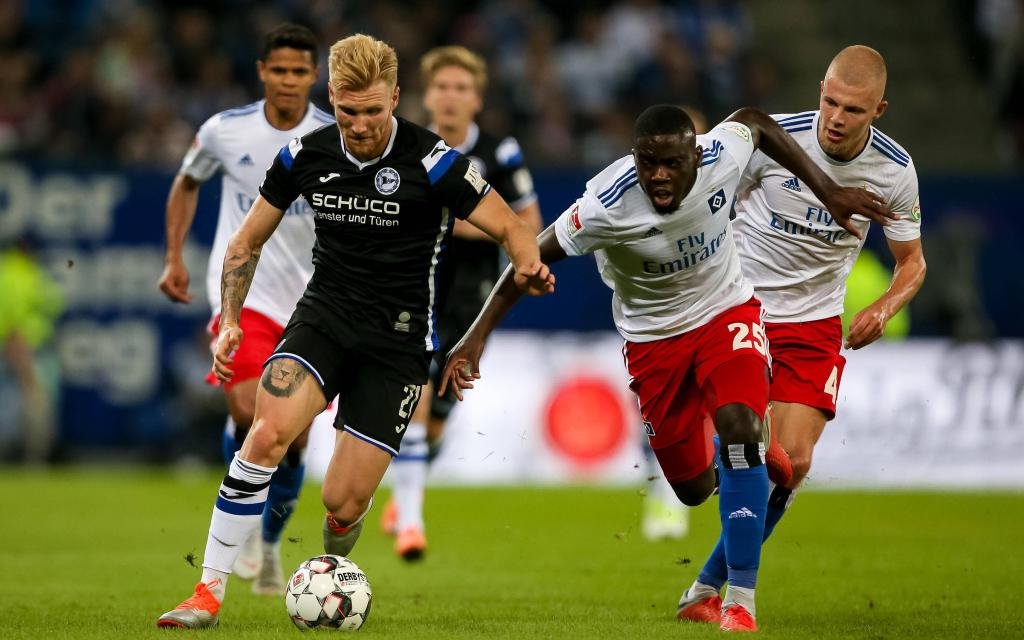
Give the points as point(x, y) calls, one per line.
point(240, 260)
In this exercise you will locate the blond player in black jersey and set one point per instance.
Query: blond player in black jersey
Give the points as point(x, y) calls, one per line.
point(385, 194)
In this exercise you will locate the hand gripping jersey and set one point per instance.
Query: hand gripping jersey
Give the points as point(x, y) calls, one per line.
point(669, 273)
point(241, 144)
point(383, 229)
point(790, 248)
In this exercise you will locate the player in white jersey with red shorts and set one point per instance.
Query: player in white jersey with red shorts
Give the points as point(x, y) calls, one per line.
point(658, 224)
point(798, 260)
point(240, 144)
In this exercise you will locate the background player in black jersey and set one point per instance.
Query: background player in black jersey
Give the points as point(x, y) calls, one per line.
point(385, 194)
point(455, 80)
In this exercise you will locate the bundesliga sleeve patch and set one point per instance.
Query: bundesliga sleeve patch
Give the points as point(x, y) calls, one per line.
point(741, 130)
point(915, 211)
point(572, 222)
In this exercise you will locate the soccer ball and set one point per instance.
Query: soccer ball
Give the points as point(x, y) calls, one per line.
point(328, 592)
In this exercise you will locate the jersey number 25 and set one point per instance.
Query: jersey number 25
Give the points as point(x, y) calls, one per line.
point(756, 337)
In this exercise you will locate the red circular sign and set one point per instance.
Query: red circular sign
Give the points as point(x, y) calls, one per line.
point(585, 421)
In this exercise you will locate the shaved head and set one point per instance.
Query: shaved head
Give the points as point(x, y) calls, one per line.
point(861, 67)
point(852, 97)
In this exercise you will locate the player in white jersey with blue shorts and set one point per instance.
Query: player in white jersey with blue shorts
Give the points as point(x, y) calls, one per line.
point(798, 260)
point(240, 144)
point(658, 224)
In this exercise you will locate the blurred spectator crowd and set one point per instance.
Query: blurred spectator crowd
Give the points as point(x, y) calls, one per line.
point(994, 37)
point(97, 82)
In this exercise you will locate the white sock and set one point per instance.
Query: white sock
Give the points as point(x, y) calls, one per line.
point(216, 582)
point(741, 596)
point(700, 590)
point(236, 514)
point(409, 470)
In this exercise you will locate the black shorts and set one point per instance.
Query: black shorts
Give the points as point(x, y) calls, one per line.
point(377, 390)
point(455, 320)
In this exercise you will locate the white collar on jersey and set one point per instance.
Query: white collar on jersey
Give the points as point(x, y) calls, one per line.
point(308, 115)
point(359, 163)
point(472, 135)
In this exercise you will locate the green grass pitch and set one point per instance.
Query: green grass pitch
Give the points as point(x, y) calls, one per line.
point(100, 554)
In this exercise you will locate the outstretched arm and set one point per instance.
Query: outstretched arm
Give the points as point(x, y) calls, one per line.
point(181, 210)
point(240, 259)
point(908, 276)
point(493, 217)
point(841, 202)
point(463, 363)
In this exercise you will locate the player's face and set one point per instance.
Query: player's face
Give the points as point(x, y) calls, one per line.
point(287, 76)
point(666, 167)
point(452, 98)
point(847, 112)
point(364, 118)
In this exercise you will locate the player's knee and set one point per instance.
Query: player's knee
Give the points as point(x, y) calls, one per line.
point(696, 490)
point(692, 496)
point(801, 467)
point(266, 443)
point(346, 509)
point(738, 424)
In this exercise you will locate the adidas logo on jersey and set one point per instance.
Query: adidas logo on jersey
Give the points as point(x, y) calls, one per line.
point(653, 231)
point(742, 512)
point(246, 161)
point(792, 184)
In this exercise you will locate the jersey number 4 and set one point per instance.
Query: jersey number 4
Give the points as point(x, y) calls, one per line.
point(753, 331)
point(832, 384)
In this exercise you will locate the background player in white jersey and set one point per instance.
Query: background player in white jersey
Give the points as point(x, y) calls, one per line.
point(658, 224)
point(240, 144)
point(455, 80)
point(385, 193)
point(798, 260)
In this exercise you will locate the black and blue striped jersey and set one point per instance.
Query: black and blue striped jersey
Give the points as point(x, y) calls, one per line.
point(383, 231)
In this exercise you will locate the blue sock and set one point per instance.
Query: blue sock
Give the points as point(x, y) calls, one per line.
point(285, 485)
point(742, 506)
point(228, 443)
point(715, 571)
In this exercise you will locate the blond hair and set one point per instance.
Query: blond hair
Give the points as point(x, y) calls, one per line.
point(454, 56)
point(860, 66)
point(357, 62)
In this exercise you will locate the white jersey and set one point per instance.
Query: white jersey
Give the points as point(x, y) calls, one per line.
point(796, 256)
point(669, 273)
point(241, 144)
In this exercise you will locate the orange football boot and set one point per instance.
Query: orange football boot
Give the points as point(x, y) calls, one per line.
point(707, 609)
point(411, 544)
point(737, 618)
point(198, 611)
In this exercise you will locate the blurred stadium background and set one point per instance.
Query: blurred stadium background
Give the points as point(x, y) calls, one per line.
point(99, 100)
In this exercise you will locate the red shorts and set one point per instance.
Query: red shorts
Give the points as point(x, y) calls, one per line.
point(260, 336)
point(806, 364)
point(680, 380)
